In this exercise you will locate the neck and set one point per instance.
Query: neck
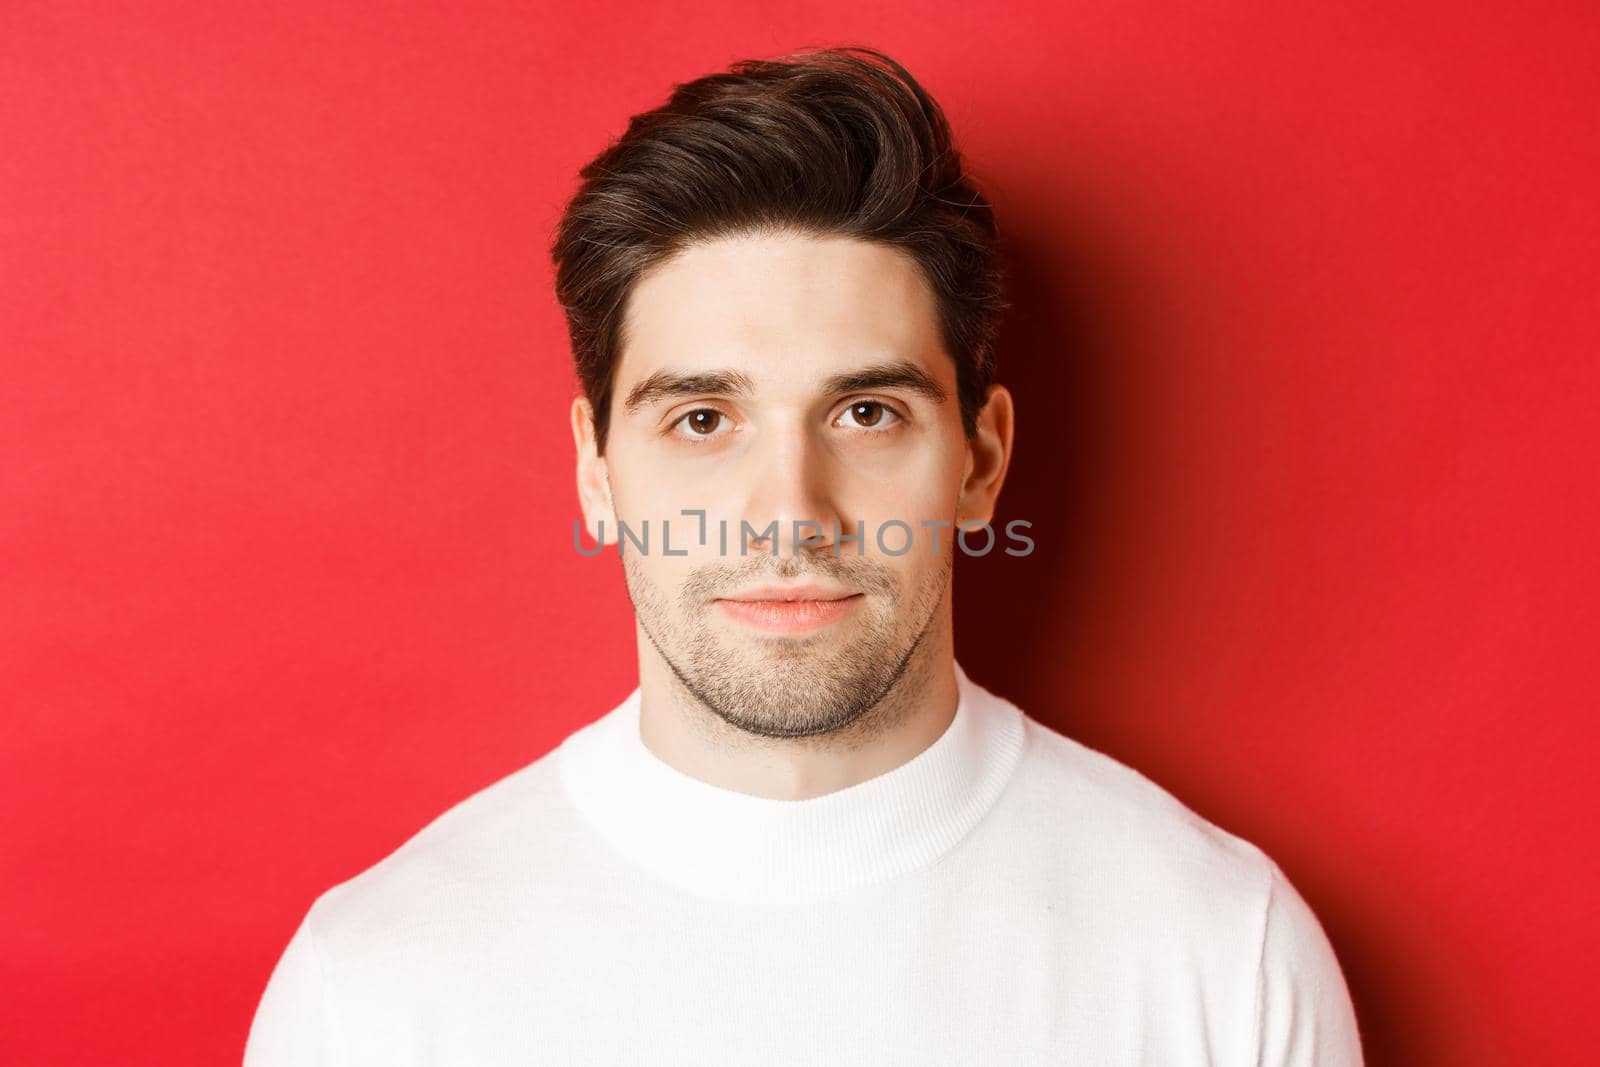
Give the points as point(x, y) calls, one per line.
point(681, 731)
point(726, 844)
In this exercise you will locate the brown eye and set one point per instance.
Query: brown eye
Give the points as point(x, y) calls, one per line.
point(867, 413)
point(704, 421)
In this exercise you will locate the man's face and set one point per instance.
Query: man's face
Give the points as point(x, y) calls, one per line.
point(786, 378)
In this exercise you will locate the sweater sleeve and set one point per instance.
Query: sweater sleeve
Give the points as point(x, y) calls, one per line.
point(295, 1023)
point(1304, 1014)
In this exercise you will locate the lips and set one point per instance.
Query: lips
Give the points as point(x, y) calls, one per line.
point(808, 591)
point(789, 610)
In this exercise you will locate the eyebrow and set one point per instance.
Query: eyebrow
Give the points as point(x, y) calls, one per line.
point(664, 384)
point(894, 374)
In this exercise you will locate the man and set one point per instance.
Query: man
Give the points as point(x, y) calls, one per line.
point(808, 837)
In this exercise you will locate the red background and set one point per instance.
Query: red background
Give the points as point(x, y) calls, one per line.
point(1304, 353)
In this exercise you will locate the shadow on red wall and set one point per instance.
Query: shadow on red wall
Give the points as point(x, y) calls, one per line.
point(1082, 351)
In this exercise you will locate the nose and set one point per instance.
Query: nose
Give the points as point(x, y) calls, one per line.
point(791, 477)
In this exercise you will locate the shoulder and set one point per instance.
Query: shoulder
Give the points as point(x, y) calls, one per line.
point(503, 839)
point(1103, 835)
point(1159, 882)
point(1130, 819)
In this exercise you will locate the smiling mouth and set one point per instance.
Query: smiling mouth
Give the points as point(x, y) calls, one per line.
point(790, 616)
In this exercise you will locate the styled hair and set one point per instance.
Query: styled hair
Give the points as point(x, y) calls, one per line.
point(828, 142)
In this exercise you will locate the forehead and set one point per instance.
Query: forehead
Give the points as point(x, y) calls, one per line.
point(783, 308)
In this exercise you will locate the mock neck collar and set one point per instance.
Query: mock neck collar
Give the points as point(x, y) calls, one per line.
point(731, 845)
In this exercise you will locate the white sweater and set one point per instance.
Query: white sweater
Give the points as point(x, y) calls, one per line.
point(1007, 896)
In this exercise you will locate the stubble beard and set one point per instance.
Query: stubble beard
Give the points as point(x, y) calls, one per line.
point(789, 687)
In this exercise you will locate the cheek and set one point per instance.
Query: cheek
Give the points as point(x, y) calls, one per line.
point(919, 488)
point(653, 512)
point(648, 500)
point(656, 582)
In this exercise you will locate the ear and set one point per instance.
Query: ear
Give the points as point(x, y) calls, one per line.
point(988, 456)
point(594, 489)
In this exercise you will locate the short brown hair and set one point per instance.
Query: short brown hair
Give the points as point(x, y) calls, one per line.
point(830, 142)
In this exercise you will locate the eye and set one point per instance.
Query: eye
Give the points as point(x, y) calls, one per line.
point(701, 422)
point(871, 414)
